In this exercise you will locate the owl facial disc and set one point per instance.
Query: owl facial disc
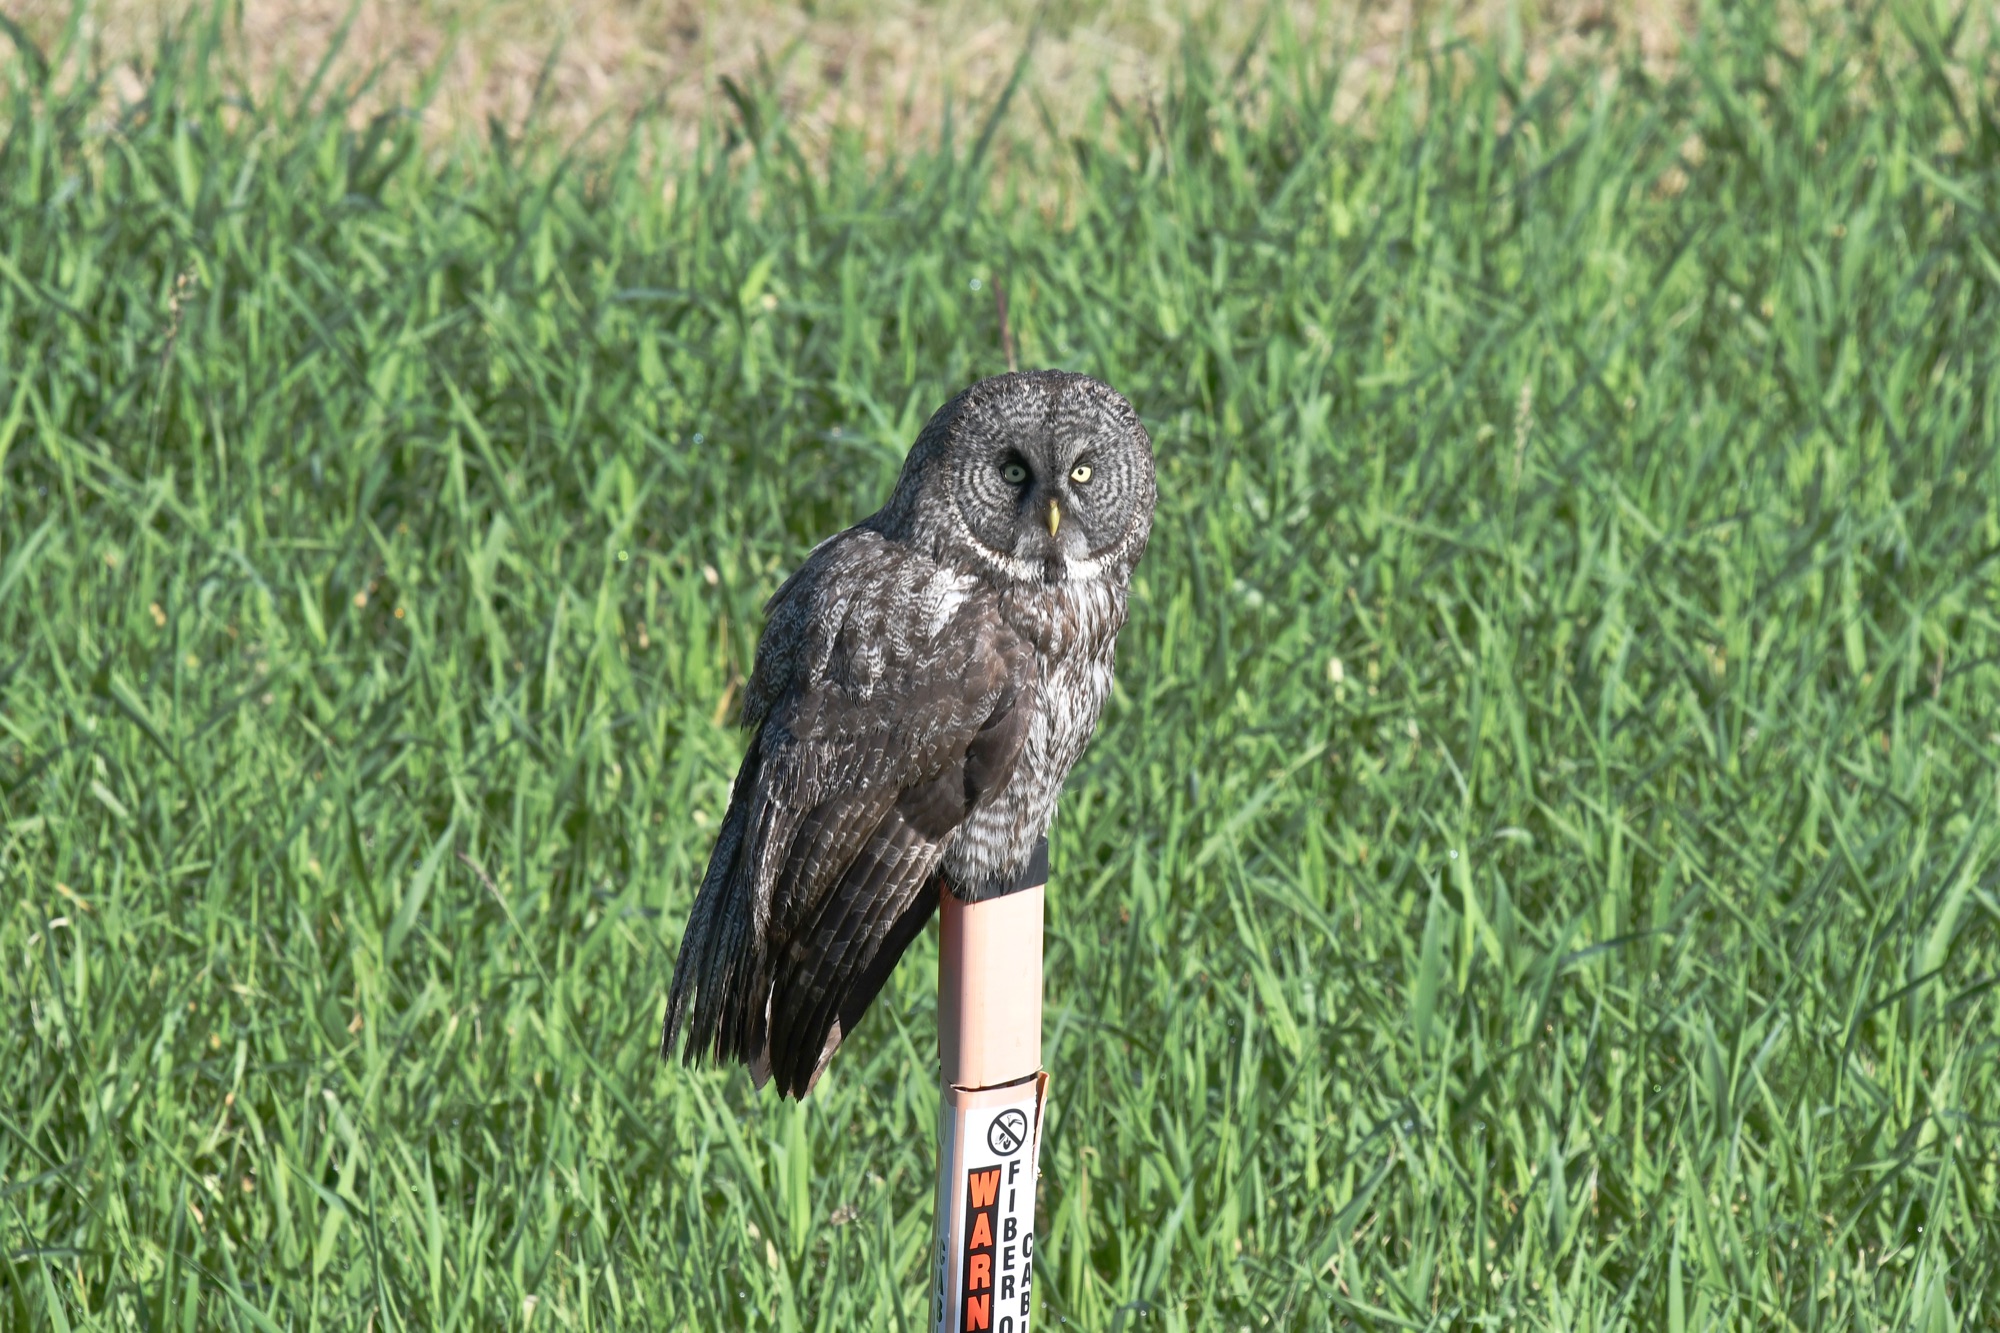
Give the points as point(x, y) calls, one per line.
point(1050, 474)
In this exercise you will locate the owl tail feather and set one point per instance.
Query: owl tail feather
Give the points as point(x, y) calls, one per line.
point(721, 986)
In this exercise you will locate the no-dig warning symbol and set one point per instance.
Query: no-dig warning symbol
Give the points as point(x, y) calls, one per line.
point(1009, 1132)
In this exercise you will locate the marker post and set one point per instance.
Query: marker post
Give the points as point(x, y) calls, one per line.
point(990, 1114)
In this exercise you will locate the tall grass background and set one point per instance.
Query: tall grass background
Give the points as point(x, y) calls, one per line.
point(1538, 867)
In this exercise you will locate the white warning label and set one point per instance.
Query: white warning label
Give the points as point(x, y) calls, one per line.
point(986, 1210)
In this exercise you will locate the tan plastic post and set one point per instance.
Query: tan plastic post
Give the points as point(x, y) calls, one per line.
point(990, 989)
point(990, 1116)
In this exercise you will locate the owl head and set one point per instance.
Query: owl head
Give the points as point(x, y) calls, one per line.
point(1036, 477)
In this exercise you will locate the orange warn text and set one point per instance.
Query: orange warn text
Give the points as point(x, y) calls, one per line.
point(996, 1258)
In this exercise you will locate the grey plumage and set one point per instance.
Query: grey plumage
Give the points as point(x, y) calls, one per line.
point(924, 683)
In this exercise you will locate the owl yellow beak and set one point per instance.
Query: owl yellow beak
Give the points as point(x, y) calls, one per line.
point(1055, 518)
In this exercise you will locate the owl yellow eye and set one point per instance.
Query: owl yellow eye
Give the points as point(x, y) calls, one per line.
point(1080, 473)
point(1014, 474)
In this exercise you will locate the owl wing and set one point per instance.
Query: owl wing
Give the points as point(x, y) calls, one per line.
point(883, 718)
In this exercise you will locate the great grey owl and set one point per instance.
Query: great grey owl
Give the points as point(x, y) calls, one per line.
point(924, 683)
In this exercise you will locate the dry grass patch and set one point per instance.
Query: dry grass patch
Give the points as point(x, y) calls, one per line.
point(884, 71)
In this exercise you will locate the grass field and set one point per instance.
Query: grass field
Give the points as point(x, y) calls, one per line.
point(1540, 868)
